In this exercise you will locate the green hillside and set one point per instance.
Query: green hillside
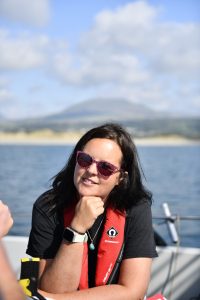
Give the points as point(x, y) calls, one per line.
point(141, 121)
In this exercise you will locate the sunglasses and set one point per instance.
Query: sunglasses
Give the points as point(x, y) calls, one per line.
point(104, 168)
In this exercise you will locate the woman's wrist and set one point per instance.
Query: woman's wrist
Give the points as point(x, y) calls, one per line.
point(77, 227)
point(77, 230)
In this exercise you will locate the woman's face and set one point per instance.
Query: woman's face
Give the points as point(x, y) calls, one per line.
point(89, 182)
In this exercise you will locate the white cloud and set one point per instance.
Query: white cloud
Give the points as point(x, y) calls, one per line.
point(130, 52)
point(33, 12)
point(98, 71)
point(22, 52)
point(174, 49)
point(7, 99)
point(5, 95)
point(129, 44)
point(4, 81)
point(5, 92)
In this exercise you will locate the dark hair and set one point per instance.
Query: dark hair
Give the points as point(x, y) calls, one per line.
point(129, 192)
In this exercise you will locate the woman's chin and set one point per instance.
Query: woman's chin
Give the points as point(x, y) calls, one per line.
point(87, 191)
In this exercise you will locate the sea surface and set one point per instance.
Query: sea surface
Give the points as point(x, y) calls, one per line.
point(172, 173)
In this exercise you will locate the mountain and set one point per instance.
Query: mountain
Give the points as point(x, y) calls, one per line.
point(141, 120)
point(101, 110)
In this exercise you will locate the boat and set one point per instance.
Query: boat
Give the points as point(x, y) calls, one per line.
point(175, 272)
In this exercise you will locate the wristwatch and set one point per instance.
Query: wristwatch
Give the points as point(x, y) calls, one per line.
point(72, 236)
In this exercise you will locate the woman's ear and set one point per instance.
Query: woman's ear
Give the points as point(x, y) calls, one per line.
point(126, 173)
point(122, 177)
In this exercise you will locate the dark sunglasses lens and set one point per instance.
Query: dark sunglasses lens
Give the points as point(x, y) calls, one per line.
point(105, 169)
point(84, 160)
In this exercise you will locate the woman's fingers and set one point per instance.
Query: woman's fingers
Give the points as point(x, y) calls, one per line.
point(87, 211)
point(6, 220)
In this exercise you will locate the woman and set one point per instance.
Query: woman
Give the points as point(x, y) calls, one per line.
point(93, 229)
point(9, 287)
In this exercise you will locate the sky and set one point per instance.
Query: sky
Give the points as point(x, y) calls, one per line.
point(54, 54)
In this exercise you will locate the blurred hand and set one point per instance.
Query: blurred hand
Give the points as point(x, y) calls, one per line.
point(6, 220)
point(87, 210)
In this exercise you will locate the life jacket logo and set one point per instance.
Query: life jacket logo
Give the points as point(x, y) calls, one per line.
point(112, 232)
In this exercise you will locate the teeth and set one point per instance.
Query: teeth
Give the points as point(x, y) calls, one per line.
point(88, 180)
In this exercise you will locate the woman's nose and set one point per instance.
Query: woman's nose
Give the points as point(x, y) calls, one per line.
point(93, 168)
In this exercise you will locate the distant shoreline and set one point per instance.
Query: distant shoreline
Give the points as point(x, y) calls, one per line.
point(48, 137)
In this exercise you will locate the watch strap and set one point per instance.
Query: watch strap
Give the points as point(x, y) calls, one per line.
point(72, 236)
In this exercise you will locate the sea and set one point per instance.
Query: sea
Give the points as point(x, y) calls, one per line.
point(171, 173)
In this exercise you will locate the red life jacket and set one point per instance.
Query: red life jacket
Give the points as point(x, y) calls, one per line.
point(157, 297)
point(109, 248)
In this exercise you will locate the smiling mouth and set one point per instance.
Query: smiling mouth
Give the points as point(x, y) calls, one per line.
point(88, 181)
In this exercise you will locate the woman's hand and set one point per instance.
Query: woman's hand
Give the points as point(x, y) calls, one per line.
point(87, 210)
point(6, 220)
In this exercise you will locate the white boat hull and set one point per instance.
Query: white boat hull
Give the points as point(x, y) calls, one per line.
point(176, 272)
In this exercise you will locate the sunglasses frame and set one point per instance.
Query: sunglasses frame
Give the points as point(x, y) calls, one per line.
point(114, 169)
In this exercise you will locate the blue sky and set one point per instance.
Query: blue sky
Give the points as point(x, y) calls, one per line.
point(54, 54)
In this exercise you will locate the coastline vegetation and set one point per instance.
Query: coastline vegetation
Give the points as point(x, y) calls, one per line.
point(48, 136)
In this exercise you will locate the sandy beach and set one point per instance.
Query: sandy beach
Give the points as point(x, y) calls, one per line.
point(40, 138)
point(48, 137)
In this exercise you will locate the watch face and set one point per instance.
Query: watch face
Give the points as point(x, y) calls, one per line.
point(68, 235)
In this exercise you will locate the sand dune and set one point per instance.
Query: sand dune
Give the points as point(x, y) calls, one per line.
point(50, 137)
